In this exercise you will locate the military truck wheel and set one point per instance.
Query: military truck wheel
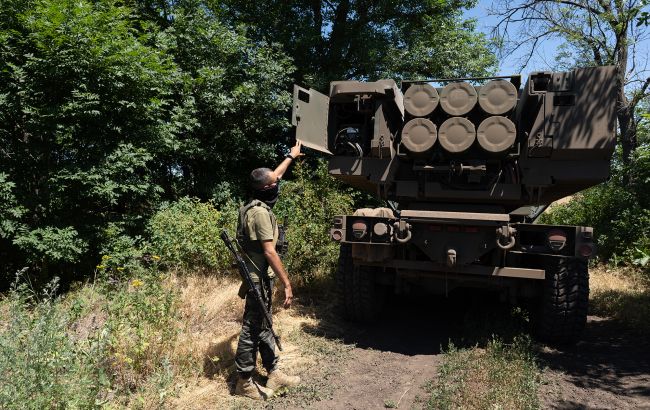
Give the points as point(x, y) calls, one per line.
point(565, 301)
point(359, 298)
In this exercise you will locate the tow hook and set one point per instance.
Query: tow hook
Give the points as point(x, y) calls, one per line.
point(506, 237)
point(451, 258)
point(402, 231)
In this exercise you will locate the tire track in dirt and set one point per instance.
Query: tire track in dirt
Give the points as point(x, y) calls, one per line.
point(393, 359)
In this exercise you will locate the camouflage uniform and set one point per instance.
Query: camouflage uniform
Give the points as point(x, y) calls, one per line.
point(256, 223)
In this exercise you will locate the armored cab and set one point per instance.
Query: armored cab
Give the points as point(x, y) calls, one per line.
point(461, 164)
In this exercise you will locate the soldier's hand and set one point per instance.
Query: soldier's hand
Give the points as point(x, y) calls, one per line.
point(288, 297)
point(295, 150)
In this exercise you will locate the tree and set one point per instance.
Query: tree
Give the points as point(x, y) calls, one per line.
point(104, 114)
point(367, 39)
point(602, 32)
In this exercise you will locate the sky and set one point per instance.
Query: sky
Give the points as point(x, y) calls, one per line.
point(542, 59)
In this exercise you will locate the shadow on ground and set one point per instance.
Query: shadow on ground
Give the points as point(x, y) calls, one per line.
point(609, 358)
point(609, 365)
point(426, 324)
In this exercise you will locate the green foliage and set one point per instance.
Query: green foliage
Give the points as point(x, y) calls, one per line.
point(309, 203)
point(51, 244)
point(238, 89)
point(350, 39)
point(142, 316)
point(10, 211)
point(618, 211)
point(121, 253)
point(499, 376)
point(106, 111)
point(41, 366)
point(185, 234)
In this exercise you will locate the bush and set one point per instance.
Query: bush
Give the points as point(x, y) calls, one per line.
point(40, 365)
point(122, 254)
point(141, 323)
point(185, 234)
point(100, 343)
point(619, 211)
point(309, 203)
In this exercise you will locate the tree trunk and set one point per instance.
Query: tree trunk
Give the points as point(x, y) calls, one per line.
point(625, 111)
point(338, 41)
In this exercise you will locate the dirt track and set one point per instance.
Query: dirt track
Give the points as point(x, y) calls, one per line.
point(392, 361)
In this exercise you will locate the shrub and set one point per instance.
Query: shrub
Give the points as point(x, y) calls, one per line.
point(309, 204)
point(619, 211)
point(122, 254)
point(185, 234)
point(41, 366)
point(141, 317)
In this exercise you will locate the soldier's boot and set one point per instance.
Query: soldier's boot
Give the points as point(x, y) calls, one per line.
point(248, 388)
point(278, 379)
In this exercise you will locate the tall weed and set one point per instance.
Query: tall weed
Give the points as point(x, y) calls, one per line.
point(41, 366)
point(141, 321)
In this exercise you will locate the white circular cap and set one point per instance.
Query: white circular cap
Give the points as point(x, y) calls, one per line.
point(497, 97)
point(458, 98)
point(419, 135)
point(420, 100)
point(496, 134)
point(457, 134)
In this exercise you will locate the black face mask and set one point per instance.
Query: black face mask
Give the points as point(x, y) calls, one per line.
point(269, 196)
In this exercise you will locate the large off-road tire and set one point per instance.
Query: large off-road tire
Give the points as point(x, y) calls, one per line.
point(359, 297)
point(565, 301)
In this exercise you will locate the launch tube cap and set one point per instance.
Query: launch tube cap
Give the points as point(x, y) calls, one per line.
point(496, 134)
point(419, 135)
point(420, 100)
point(497, 97)
point(457, 134)
point(458, 98)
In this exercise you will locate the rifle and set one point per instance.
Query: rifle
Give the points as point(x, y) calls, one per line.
point(252, 289)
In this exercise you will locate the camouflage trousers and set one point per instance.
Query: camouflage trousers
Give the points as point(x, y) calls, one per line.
point(256, 335)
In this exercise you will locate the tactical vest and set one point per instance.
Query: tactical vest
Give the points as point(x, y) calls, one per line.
point(243, 237)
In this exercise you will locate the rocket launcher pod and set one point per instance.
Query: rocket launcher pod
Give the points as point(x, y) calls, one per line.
point(458, 98)
point(456, 135)
point(522, 145)
point(420, 100)
point(497, 97)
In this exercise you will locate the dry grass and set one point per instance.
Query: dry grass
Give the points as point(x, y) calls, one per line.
point(622, 294)
point(211, 320)
point(4, 314)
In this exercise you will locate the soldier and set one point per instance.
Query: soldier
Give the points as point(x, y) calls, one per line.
point(257, 231)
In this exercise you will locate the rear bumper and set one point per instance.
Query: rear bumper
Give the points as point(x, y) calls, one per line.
point(422, 268)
